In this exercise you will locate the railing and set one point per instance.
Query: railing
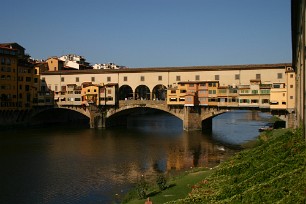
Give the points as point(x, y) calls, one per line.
point(141, 102)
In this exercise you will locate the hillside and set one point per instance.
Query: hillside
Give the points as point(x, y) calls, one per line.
point(272, 172)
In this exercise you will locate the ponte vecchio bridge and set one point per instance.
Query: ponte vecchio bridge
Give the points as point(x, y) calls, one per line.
point(138, 90)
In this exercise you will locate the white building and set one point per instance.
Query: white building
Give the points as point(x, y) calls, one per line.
point(74, 61)
point(106, 66)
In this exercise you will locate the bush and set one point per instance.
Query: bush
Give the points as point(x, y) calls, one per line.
point(161, 182)
point(141, 188)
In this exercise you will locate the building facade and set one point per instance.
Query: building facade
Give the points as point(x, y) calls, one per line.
point(8, 80)
point(258, 86)
point(298, 33)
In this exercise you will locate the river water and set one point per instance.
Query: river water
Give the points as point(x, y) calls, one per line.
point(81, 165)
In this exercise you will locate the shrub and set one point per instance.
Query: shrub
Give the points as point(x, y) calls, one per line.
point(141, 188)
point(161, 182)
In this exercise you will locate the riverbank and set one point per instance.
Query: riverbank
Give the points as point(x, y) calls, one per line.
point(271, 171)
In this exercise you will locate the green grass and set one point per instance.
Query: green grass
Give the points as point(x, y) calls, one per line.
point(179, 188)
point(272, 171)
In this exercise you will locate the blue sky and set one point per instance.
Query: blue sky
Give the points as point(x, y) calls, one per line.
point(152, 33)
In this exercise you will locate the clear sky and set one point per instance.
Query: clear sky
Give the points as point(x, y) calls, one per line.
point(152, 33)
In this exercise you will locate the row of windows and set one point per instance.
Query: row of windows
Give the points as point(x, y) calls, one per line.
point(7, 52)
point(178, 78)
point(231, 100)
point(7, 69)
point(7, 61)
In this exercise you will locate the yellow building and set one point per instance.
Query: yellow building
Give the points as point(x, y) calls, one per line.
point(55, 64)
point(90, 94)
point(20, 79)
point(290, 83)
point(8, 80)
point(212, 93)
point(278, 97)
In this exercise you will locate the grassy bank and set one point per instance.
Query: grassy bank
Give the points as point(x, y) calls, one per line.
point(271, 172)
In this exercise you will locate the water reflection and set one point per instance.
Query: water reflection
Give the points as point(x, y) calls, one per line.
point(75, 165)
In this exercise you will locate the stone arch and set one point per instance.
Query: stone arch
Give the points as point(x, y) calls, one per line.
point(61, 115)
point(119, 116)
point(159, 92)
point(125, 92)
point(142, 92)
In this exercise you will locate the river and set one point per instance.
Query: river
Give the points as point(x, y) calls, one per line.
point(81, 165)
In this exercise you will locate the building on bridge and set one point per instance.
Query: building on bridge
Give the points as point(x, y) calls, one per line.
point(153, 83)
point(276, 96)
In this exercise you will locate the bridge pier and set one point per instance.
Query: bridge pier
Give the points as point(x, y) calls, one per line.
point(96, 122)
point(192, 119)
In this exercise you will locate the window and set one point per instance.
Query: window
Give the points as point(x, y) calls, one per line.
point(125, 78)
point(237, 76)
point(173, 91)
point(291, 86)
point(279, 75)
point(92, 79)
point(109, 91)
point(283, 103)
point(254, 91)
point(28, 79)
point(217, 77)
point(203, 84)
point(265, 91)
point(244, 100)
point(77, 79)
point(160, 78)
point(178, 78)
point(222, 91)
point(109, 79)
point(197, 77)
point(291, 97)
point(191, 85)
point(291, 75)
point(258, 76)
point(27, 87)
point(142, 78)
point(55, 88)
point(203, 92)
point(265, 101)
point(62, 79)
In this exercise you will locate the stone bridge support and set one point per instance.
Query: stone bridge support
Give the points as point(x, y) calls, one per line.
point(192, 119)
point(199, 118)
